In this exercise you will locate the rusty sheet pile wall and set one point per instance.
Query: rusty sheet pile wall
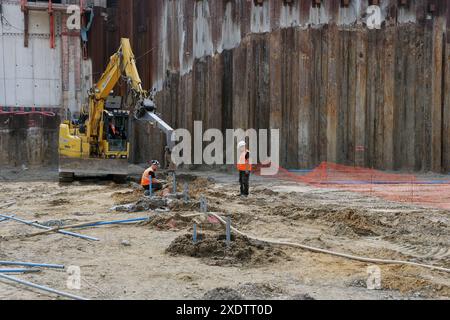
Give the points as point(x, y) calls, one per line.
point(338, 91)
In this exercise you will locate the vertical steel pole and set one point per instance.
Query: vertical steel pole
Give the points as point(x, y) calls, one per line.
point(194, 237)
point(229, 231)
point(186, 192)
point(150, 190)
point(174, 183)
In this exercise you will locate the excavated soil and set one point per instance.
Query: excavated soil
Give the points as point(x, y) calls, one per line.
point(213, 250)
point(222, 294)
point(158, 259)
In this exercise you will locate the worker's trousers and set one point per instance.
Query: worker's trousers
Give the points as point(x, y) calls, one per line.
point(244, 180)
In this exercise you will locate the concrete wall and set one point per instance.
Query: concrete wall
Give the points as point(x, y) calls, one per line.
point(338, 91)
point(28, 139)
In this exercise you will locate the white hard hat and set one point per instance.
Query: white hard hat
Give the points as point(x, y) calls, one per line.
point(242, 144)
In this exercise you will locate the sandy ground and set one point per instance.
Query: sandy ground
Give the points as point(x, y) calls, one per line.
point(131, 262)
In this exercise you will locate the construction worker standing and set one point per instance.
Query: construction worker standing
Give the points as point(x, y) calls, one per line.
point(245, 168)
point(149, 177)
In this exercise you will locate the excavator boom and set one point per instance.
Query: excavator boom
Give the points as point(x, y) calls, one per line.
point(99, 139)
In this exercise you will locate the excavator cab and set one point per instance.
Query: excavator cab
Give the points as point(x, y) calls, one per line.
point(115, 130)
point(116, 134)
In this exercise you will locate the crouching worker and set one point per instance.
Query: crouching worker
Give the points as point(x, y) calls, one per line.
point(149, 178)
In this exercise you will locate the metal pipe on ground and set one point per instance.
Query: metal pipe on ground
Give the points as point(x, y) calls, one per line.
point(105, 223)
point(6, 205)
point(43, 288)
point(19, 270)
point(3, 219)
point(36, 225)
point(86, 225)
point(32, 265)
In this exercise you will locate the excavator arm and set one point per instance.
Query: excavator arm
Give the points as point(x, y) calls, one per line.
point(122, 64)
point(88, 145)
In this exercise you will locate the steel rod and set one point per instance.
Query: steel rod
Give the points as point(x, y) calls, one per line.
point(194, 234)
point(37, 225)
point(114, 222)
point(19, 270)
point(6, 205)
point(228, 231)
point(43, 288)
point(33, 265)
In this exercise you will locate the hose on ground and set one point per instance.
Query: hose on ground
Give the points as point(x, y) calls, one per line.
point(329, 252)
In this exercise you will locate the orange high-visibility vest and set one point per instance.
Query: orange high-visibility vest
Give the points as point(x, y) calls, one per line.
point(145, 181)
point(244, 164)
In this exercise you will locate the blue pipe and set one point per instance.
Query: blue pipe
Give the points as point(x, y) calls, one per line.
point(4, 219)
point(33, 265)
point(114, 222)
point(19, 271)
point(43, 288)
point(37, 225)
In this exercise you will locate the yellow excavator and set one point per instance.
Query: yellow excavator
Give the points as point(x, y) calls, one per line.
point(98, 142)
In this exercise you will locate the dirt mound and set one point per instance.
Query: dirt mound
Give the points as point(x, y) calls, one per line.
point(176, 221)
point(351, 221)
point(266, 192)
point(59, 202)
point(170, 222)
point(196, 186)
point(120, 198)
point(143, 204)
point(345, 222)
point(220, 294)
point(213, 250)
point(302, 297)
point(404, 279)
point(181, 205)
point(260, 291)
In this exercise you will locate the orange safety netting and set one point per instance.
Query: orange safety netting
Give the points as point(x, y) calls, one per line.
point(434, 192)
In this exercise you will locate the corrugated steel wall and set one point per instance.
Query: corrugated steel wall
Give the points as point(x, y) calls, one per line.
point(26, 77)
point(338, 91)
